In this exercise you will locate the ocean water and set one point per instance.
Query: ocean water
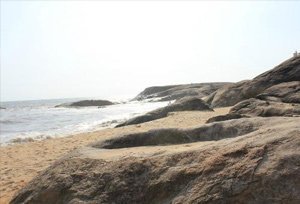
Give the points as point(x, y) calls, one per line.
point(39, 119)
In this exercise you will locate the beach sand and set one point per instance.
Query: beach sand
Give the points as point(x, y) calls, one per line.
point(19, 163)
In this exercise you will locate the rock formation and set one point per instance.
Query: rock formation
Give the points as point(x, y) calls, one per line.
point(167, 93)
point(256, 107)
point(86, 103)
point(288, 92)
point(184, 104)
point(229, 95)
point(251, 155)
point(229, 116)
point(257, 163)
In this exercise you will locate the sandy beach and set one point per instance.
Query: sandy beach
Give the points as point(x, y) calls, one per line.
point(19, 163)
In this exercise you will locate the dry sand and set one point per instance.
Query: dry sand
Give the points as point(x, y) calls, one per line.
point(19, 163)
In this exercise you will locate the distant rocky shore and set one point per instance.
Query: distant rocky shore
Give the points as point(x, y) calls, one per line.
point(86, 103)
point(174, 92)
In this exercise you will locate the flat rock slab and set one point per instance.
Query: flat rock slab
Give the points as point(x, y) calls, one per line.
point(257, 165)
point(256, 107)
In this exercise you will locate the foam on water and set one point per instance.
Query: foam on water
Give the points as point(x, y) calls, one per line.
point(39, 119)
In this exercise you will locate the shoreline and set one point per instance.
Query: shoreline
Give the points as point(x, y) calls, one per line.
point(19, 163)
point(25, 140)
point(37, 121)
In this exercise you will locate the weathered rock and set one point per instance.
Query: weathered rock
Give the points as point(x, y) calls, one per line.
point(150, 92)
point(184, 104)
point(177, 136)
point(288, 92)
point(227, 95)
point(86, 103)
point(256, 107)
point(2, 108)
point(261, 165)
point(287, 71)
point(229, 116)
point(173, 92)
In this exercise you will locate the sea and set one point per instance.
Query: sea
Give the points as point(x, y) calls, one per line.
point(23, 121)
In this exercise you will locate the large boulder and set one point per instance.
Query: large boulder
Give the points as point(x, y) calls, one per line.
point(287, 71)
point(258, 162)
point(184, 104)
point(256, 107)
point(85, 103)
point(288, 92)
point(173, 92)
point(227, 95)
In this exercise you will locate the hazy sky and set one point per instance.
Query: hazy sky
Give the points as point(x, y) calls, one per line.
point(61, 49)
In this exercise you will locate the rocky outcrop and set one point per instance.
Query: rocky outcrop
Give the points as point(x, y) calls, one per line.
point(227, 95)
point(169, 136)
point(288, 92)
point(256, 107)
point(2, 108)
point(258, 162)
point(287, 71)
point(86, 103)
point(229, 116)
point(184, 104)
point(173, 92)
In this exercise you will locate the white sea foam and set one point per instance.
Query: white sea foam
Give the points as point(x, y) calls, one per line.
point(40, 120)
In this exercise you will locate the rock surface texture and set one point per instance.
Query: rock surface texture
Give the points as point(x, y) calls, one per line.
point(252, 160)
point(288, 92)
point(229, 116)
point(184, 104)
point(167, 93)
point(288, 71)
point(256, 107)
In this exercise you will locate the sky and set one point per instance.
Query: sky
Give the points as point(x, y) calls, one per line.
point(105, 50)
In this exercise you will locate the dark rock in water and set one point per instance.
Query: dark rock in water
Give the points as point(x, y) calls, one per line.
point(143, 118)
point(229, 116)
point(184, 104)
point(256, 107)
point(86, 103)
point(287, 71)
point(288, 92)
point(173, 92)
point(258, 164)
point(2, 108)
